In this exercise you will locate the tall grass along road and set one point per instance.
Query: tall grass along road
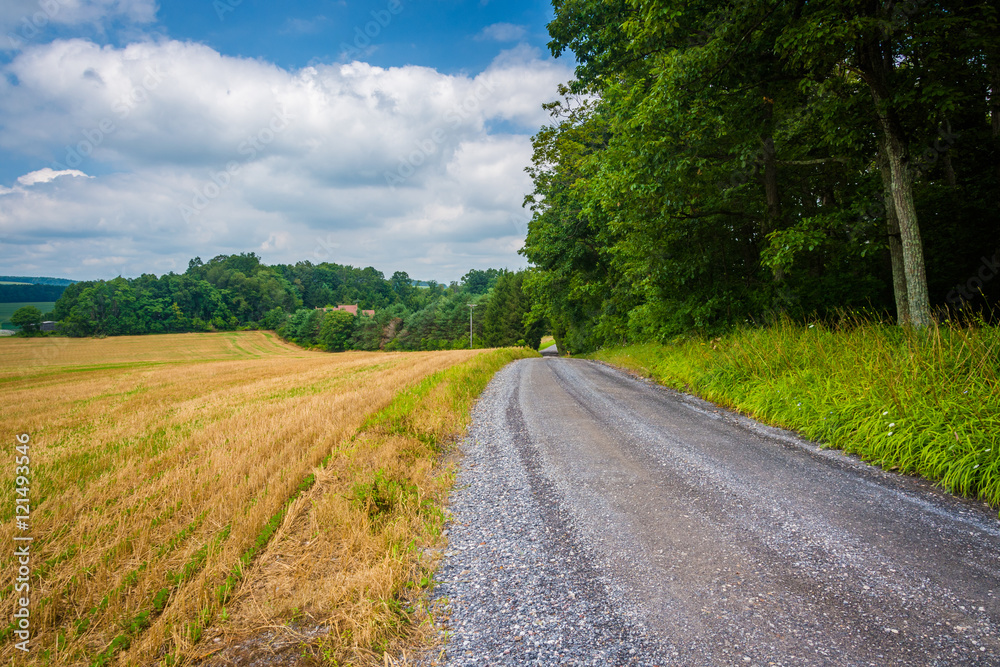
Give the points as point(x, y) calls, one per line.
point(601, 519)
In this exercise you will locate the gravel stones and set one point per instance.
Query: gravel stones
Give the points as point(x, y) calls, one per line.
point(519, 589)
point(598, 519)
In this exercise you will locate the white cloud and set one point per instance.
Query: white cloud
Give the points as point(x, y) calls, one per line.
point(196, 153)
point(45, 175)
point(502, 32)
point(24, 21)
point(103, 261)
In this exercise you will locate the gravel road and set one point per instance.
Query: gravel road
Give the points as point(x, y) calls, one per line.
point(599, 519)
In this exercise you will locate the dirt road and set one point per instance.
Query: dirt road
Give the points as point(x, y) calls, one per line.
point(601, 519)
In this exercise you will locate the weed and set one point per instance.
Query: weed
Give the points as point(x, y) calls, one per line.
point(382, 496)
point(924, 403)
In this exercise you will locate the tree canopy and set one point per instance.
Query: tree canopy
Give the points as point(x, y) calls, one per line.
point(232, 292)
point(717, 163)
point(29, 318)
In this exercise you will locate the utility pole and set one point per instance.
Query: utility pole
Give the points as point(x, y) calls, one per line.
point(472, 307)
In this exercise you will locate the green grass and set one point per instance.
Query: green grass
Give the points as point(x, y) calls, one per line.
point(547, 342)
point(919, 403)
point(7, 309)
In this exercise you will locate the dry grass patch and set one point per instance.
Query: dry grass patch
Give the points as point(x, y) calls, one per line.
point(39, 357)
point(343, 582)
point(156, 487)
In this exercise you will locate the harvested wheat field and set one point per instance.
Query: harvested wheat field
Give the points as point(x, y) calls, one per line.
point(200, 497)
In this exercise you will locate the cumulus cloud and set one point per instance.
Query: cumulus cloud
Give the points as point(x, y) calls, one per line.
point(196, 153)
point(502, 32)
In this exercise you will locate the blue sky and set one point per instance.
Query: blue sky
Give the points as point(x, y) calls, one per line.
point(136, 135)
point(444, 34)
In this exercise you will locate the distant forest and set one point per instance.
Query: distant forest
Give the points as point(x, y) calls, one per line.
point(27, 288)
point(15, 293)
point(239, 292)
point(36, 281)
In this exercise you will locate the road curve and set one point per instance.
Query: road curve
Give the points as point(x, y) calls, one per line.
point(600, 519)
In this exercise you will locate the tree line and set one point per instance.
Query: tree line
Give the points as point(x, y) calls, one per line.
point(715, 163)
point(239, 292)
point(17, 293)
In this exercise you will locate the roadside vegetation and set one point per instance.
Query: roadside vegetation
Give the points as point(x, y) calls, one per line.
point(163, 470)
point(919, 402)
point(714, 163)
point(718, 176)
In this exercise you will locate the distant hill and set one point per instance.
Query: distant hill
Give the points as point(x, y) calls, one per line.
point(30, 280)
point(18, 289)
point(20, 293)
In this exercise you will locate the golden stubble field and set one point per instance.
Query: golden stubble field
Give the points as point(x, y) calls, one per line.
point(188, 491)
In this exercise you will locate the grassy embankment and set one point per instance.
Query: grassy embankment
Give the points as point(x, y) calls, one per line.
point(547, 342)
point(925, 404)
point(178, 481)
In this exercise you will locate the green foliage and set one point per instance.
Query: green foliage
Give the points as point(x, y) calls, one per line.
point(920, 403)
point(8, 309)
point(383, 496)
point(716, 163)
point(478, 282)
point(507, 311)
point(336, 330)
point(160, 600)
point(233, 292)
point(16, 293)
point(304, 325)
point(28, 318)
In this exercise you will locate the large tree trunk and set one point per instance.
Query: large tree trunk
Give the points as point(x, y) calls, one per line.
point(895, 244)
point(875, 64)
point(909, 230)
